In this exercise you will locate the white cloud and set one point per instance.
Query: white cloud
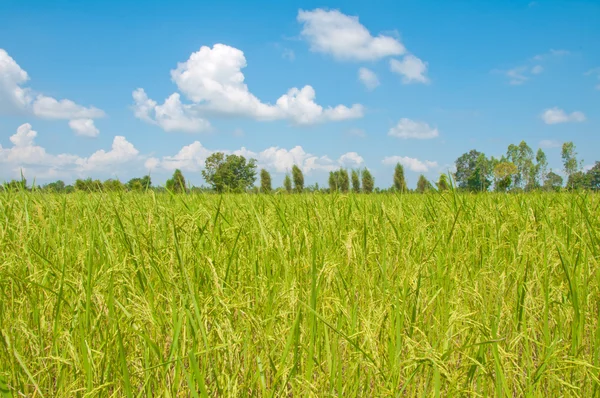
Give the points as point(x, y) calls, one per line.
point(412, 164)
point(344, 37)
point(212, 79)
point(151, 163)
point(517, 75)
point(411, 68)
point(537, 69)
point(550, 144)
point(50, 108)
point(279, 160)
point(25, 154)
point(14, 97)
point(84, 127)
point(556, 115)
point(351, 160)
point(407, 128)
point(368, 78)
point(551, 53)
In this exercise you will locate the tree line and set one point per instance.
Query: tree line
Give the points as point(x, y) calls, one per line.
point(518, 170)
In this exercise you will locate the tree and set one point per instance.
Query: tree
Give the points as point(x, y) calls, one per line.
point(265, 181)
point(343, 180)
point(473, 170)
point(541, 167)
point(553, 182)
point(16, 185)
point(569, 157)
point(423, 184)
point(368, 182)
point(298, 178)
point(442, 184)
point(505, 173)
point(56, 186)
point(593, 177)
point(111, 185)
point(229, 173)
point(577, 180)
point(139, 184)
point(333, 181)
point(88, 185)
point(355, 181)
point(522, 157)
point(287, 183)
point(176, 184)
point(399, 180)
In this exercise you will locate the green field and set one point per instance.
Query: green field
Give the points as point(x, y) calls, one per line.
point(299, 295)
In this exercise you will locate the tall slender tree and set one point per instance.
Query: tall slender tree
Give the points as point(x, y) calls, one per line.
point(298, 178)
point(570, 163)
point(442, 184)
point(423, 184)
point(355, 181)
point(176, 184)
point(399, 180)
point(541, 167)
point(287, 183)
point(265, 181)
point(368, 182)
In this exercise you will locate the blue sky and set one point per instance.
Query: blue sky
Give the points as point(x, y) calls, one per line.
point(281, 81)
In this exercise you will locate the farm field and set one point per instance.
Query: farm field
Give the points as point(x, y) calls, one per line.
point(441, 294)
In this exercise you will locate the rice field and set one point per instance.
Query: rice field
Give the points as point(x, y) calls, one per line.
point(443, 294)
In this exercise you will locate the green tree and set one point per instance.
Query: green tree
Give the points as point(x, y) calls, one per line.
point(541, 167)
point(473, 171)
point(593, 177)
point(111, 185)
point(553, 182)
point(343, 180)
point(16, 185)
point(88, 185)
point(298, 178)
point(577, 180)
point(522, 157)
point(423, 184)
point(287, 183)
point(355, 181)
point(56, 186)
point(443, 184)
point(265, 181)
point(229, 173)
point(139, 184)
point(505, 174)
point(368, 182)
point(176, 184)
point(399, 180)
point(333, 181)
point(569, 157)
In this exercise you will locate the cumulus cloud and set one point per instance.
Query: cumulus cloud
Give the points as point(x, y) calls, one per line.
point(351, 160)
point(411, 68)
point(84, 127)
point(556, 115)
point(407, 128)
point(368, 78)
point(344, 37)
point(412, 164)
point(25, 154)
point(212, 79)
point(16, 98)
point(279, 160)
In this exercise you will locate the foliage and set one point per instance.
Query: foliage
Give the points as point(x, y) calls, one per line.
point(423, 184)
point(505, 173)
point(368, 182)
point(287, 183)
point(111, 185)
point(88, 185)
point(553, 182)
point(399, 180)
point(298, 179)
point(570, 163)
point(443, 184)
point(355, 181)
point(176, 184)
point(265, 181)
point(231, 173)
point(140, 184)
point(593, 177)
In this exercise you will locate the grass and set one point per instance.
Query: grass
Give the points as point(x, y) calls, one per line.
point(299, 295)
